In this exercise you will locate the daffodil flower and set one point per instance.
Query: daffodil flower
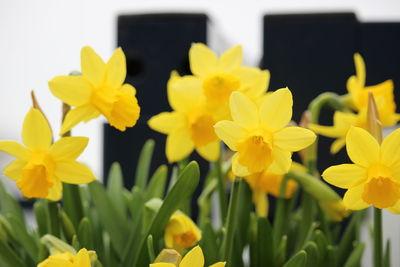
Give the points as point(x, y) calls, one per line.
point(259, 134)
point(359, 92)
point(217, 77)
point(342, 122)
point(181, 232)
point(335, 210)
point(99, 90)
point(41, 166)
point(82, 259)
point(194, 258)
point(189, 126)
point(374, 178)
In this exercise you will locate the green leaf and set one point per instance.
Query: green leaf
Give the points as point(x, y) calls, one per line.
point(157, 183)
point(109, 217)
point(312, 254)
point(9, 205)
point(346, 242)
point(42, 215)
point(181, 191)
point(314, 186)
point(354, 259)
point(386, 257)
point(115, 187)
point(209, 245)
point(72, 203)
point(8, 258)
point(265, 243)
point(298, 260)
point(54, 219)
point(23, 237)
point(322, 245)
point(150, 248)
point(143, 166)
point(66, 225)
point(85, 234)
point(282, 251)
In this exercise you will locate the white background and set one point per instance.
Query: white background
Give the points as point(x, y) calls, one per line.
point(42, 39)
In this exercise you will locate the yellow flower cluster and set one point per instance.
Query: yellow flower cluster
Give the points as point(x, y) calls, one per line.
point(357, 99)
point(66, 259)
point(41, 166)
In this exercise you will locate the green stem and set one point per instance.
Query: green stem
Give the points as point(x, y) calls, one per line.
point(378, 255)
point(54, 219)
point(227, 243)
point(280, 212)
point(335, 102)
point(221, 190)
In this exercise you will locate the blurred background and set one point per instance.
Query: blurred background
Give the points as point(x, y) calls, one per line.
point(42, 39)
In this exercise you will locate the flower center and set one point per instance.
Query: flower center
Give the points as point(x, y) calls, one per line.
point(119, 107)
point(202, 131)
point(381, 192)
point(219, 87)
point(185, 240)
point(255, 153)
point(37, 176)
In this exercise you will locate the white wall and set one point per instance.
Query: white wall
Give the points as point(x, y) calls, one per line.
point(42, 39)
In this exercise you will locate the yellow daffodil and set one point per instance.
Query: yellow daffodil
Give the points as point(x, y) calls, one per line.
point(359, 92)
point(335, 210)
point(259, 134)
point(194, 258)
point(82, 259)
point(99, 90)
point(374, 178)
point(41, 166)
point(189, 126)
point(264, 183)
point(181, 232)
point(342, 121)
point(217, 77)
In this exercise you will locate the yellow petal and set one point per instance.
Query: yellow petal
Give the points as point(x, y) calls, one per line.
point(337, 145)
point(68, 148)
point(253, 81)
point(360, 69)
point(178, 145)
point(83, 259)
point(162, 264)
point(55, 192)
point(14, 149)
point(73, 90)
point(36, 132)
point(293, 138)
point(203, 61)
point(390, 150)
point(260, 200)
point(167, 122)
point(77, 115)
point(14, 169)
point(243, 111)
point(353, 198)
point(276, 110)
point(218, 264)
point(237, 168)
point(395, 209)
point(73, 172)
point(116, 69)
point(128, 88)
point(184, 93)
point(194, 258)
point(210, 151)
point(329, 131)
point(93, 67)
point(231, 59)
point(345, 175)
point(282, 161)
point(229, 132)
point(362, 148)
